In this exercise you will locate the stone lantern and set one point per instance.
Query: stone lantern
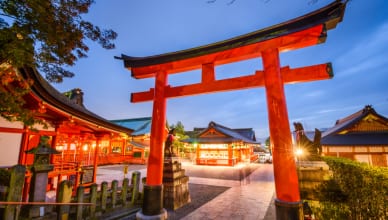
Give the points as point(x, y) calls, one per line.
point(40, 169)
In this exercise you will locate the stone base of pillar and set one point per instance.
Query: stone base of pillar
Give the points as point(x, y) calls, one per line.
point(161, 216)
point(152, 201)
point(289, 210)
point(176, 185)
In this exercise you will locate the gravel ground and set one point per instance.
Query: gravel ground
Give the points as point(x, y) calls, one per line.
point(199, 194)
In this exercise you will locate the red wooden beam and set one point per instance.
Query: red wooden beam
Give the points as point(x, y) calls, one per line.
point(209, 85)
point(304, 38)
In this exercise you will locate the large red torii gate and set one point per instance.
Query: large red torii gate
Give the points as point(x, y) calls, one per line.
point(267, 43)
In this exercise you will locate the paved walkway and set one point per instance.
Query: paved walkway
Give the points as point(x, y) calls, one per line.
point(247, 199)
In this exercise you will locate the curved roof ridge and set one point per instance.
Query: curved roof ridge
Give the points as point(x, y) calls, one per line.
point(229, 131)
point(348, 121)
point(50, 95)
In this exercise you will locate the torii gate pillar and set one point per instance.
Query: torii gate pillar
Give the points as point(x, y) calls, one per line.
point(288, 204)
point(153, 189)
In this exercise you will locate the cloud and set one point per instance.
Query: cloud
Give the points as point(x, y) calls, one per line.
point(345, 109)
point(314, 94)
point(370, 52)
point(372, 62)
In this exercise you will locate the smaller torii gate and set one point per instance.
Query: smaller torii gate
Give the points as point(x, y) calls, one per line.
point(307, 30)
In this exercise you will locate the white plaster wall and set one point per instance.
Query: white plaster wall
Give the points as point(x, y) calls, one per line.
point(361, 149)
point(376, 149)
point(7, 124)
point(341, 149)
point(9, 148)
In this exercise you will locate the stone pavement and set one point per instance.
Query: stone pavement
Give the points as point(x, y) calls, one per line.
point(246, 199)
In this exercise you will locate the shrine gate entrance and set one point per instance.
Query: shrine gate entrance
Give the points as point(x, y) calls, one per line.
point(307, 30)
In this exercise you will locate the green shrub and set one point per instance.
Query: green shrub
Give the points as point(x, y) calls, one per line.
point(356, 191)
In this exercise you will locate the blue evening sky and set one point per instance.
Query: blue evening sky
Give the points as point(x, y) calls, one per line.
point(357, 48)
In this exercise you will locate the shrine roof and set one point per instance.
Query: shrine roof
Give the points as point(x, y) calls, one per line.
point(356, 139)
point(328, 16)
point(66, 107)
point(231, 135)
point(339, 134)
point(141, 126)
point(138, 145)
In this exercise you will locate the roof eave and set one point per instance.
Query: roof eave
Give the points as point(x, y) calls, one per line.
point(51, 96)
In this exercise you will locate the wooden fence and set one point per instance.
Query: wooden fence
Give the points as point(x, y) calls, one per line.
point(100, 204)
point(105, 201)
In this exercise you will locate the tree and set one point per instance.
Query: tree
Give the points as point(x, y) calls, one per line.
point(268, 145)
point(48, 35)
point(179, 135)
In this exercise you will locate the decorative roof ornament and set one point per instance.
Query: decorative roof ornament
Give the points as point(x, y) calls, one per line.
point(76, 96)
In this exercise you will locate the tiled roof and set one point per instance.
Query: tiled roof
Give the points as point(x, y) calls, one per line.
point(51, 96)
point(333, 135)
point(139, 145)
point(141, 126)
point(231, 135)
point(356, 139)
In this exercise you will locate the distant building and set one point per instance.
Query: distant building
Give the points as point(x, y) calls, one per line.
point(220, 145)
point(139, 144)
point(362, 136)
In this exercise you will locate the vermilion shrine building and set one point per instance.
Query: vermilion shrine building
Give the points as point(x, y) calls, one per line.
point(84, 139)
point(220, 145)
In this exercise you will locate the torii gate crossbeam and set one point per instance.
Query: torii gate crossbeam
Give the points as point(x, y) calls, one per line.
point(304, 31)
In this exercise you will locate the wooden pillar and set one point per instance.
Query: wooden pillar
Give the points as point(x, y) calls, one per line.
point(230, 155)
point(153, 189)
point(23, 146)
point(198, 150)
point(156, 157)
point(288, 204)
point(22, 160)
point(95, 161)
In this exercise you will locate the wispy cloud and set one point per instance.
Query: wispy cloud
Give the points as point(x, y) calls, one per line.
point(314, 94)
point(371, 52)
point(336, 109)
point(372, 62)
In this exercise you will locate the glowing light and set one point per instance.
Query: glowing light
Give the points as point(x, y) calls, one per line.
point(85, 147)
point(299, 152)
